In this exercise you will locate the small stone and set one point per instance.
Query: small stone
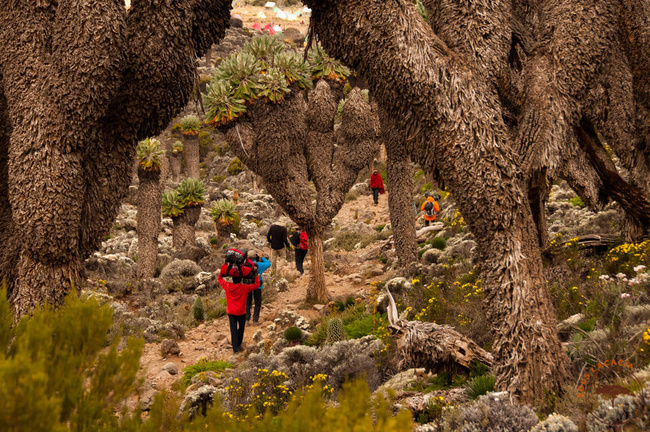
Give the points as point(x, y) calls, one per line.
point(319, 307)
point(169, 347)
point(171, 368)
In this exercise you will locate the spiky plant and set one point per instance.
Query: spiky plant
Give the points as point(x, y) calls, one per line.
point(324, 66)
point(273, 86)
point(148, 154)
point(243, 72)
point(191, 191)
point(295, 70)
point(335, 330)
point(190, 125)
point(423, 11)
point(223, 212)
point(172, 204)
point(264, 49)
point(177, 147)
point(221, 106)
point(479, 386)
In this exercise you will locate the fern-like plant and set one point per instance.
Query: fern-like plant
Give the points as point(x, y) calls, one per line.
point(220, 103)
point(479, 386)
point(190, 125)
point(172, 204)
point(273, 86)
point(243, 72)
point(264, 49)
point(325, 67)
point(149, 153)
point(177, 147)
point(191, 191)
point(223, 212)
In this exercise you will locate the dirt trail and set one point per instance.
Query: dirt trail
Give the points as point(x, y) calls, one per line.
point(212, 339)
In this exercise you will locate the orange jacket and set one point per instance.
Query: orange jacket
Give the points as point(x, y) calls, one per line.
point(436, 208)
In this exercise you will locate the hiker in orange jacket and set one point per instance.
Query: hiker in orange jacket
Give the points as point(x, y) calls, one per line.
point(236, 295)
point(430, 207)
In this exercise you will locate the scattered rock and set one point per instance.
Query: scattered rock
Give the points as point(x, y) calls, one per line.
point(169, 347)
point(171, 368)
point(399, 285)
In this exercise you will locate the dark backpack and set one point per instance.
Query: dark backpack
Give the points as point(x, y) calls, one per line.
point(428, 209)
point(238, 265)
point(304, 241)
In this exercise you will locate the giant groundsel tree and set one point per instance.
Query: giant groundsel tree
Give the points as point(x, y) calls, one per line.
point(500, 98)
point(285, 133)
point(82, 82)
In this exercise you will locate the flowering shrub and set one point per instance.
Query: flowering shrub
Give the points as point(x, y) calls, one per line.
point(624, 258)
point(268, 393)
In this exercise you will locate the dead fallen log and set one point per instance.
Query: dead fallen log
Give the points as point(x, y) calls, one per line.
point(437, 348)
point(436, 226)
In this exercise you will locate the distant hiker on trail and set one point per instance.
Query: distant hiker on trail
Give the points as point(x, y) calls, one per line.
point(277, 237)
point(262, 265)
point(300, 242)
point(430, 207)
point(377, 185)
point(236, 294)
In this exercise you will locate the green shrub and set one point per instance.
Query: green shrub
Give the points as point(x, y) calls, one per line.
point(293, 334)
point(427, 187)
point(57, 375)
point(215, 312)
point(204, 365)
point(235, 167)
point(361, 327)
point(479, 386)
point(577, 202)
point(198, 310)
point(380, 227)
point(438, 243)
point(350, 301)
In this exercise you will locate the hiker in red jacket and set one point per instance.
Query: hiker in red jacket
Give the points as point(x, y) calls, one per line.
point(377, 186)
point(236, 294)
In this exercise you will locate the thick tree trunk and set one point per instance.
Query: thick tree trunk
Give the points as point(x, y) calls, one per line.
point(223, 231)
point(317, 291)
point(175, 162)
point(149, 221)
point(192, 158)
point(456, 125)
point(399, 177)
point(75, 122)
point(183, 228)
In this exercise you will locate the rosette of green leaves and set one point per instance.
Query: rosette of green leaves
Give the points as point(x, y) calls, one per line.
point(223, 212)
point(220, 103)
point(172, 204)
point(243, 72)
point(149, 153)
point(324, 66)
point(190, 125)
point(191, 192)
point(178, 147)
point(264, 49)
point(273, 86)
point(295, 70)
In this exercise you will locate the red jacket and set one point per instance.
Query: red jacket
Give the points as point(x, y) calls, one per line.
point(376, 182)
point(236, 294)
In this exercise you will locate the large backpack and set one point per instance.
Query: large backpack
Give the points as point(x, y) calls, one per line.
point(238, 265)
point(428, 209)
point(304, 241)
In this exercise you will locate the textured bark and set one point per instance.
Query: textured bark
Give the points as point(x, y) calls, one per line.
point(399, 179)
point(455, 122)
point(183, 227)
point(192, 158)
point(149, 221)
point(291, 143)
point(316, 290)
point(175, 161)
point(83, 83)
point(223, 231)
